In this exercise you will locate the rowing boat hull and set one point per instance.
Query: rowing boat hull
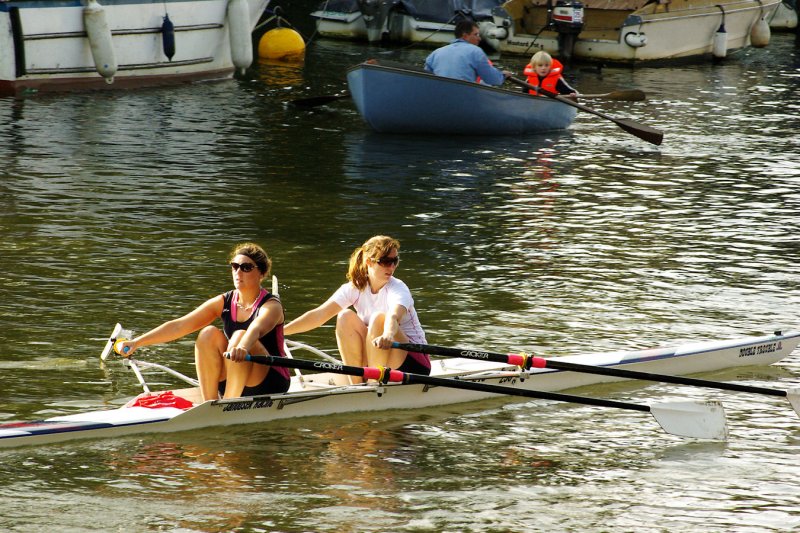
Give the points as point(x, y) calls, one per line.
point(396, 98)
point(314, 396)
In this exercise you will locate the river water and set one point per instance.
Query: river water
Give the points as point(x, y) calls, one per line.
point(121, 207)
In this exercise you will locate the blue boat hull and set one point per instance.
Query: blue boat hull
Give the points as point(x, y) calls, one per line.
point(399, 100)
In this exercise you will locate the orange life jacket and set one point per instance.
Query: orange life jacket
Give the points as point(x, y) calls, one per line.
point(550, 81)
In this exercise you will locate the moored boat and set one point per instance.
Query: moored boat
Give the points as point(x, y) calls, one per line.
point(785, 16)
point(631, 31)
point(327, 393)
point(122, 43)
point(397, 98)
point(398, 21)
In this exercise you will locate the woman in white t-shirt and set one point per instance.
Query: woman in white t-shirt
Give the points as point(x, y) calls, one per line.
point(382, 312)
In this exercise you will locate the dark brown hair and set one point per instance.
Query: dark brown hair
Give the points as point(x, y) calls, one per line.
point(256, 253)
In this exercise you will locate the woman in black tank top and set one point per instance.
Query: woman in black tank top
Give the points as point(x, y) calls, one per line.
point(252, 322)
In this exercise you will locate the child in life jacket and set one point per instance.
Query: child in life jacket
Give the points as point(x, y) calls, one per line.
point(545, 72)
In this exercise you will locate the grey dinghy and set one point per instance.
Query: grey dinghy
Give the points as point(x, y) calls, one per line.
point(327, 392)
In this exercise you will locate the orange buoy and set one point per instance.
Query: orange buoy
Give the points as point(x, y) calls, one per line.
point(281, 43)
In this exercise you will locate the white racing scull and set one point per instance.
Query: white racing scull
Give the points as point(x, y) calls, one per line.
point(327, 393)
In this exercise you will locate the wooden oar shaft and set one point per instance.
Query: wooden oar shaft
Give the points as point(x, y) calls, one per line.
point(622, 95)
point(315, 101)
point(387, 375)
point(540, 362)
point(645, 133)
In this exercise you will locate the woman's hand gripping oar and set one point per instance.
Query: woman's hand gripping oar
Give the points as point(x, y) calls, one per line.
point(701, 420)
point(528, 361)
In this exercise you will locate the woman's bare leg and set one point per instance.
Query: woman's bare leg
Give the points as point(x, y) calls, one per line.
point(241, 373)
point(392, 358)
point(208, 349)
point(350, 337)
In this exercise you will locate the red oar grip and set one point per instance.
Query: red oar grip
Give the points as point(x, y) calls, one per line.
point(383, 374)
point(515, 359)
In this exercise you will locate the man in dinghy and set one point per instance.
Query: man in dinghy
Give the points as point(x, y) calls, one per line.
point(384, 312)
point(252, 322)
point(463, 59)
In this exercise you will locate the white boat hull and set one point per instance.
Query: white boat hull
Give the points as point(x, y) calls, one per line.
point(784, 18)
point(676, 30)
point(404, 28)
point(322, 394)
point(48, 48)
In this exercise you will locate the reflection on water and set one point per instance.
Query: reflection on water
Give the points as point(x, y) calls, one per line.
point(122, 207)
point(280, 73)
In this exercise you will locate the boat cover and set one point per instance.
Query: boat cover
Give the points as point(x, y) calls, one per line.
point(514, 6)
point(428, 10)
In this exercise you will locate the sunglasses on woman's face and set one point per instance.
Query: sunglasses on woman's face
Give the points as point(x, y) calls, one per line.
point(246, 267)
point(388, 261)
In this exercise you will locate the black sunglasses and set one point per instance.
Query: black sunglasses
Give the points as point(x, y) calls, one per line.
point(388, 261)
point(246, 267)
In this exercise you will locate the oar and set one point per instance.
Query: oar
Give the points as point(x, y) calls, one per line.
point(645, 133)
point(527, 361)
point(701, 420)
point(623, 95)
point(315, 101)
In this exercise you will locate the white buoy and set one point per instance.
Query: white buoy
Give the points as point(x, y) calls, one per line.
point(720, 44)
point(100, 40)
point(239, 32)
point(760, 34)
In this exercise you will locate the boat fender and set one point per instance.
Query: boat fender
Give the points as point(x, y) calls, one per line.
point(100, 40)
point(491, 34)
point(720, 42)
point(168, 37)
point(760, 34)
point(239, 32)
point(635, 40)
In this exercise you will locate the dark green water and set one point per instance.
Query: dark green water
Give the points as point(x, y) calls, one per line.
point(122, 208)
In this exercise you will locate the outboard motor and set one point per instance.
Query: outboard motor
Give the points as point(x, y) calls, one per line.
point(375, 13)
point(567, 20)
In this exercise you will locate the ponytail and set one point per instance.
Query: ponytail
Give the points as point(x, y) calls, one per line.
point(373, 249)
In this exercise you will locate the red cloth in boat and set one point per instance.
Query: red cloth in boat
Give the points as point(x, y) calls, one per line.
point(164, 399)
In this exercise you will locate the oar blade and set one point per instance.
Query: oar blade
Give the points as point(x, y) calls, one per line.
point(627, 95)
point(646, 133)
point(315, 101)
point(793, 395)
point(699, 420)
point(110, 343)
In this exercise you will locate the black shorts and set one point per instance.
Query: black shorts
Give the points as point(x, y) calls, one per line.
point(273, 383)
point(412, 366)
